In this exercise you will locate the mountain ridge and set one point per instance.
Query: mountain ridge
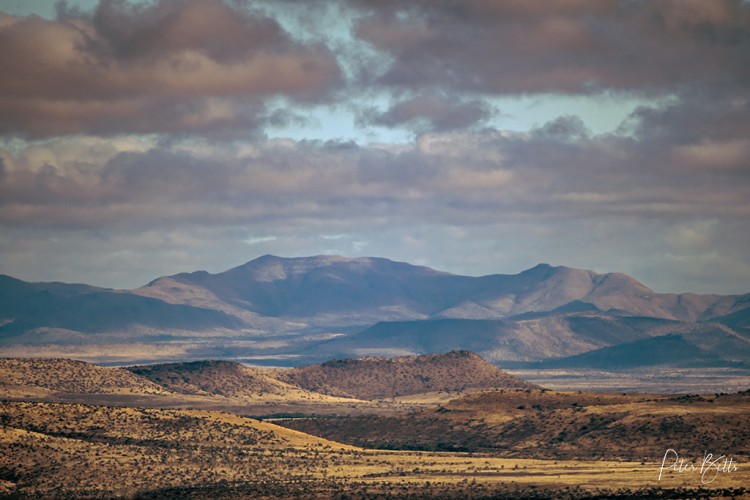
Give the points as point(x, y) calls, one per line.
point(303, 309)
point(540, 288)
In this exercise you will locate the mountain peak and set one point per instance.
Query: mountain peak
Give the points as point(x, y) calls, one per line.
point(542, 266)
point(539, 271)
point(273, 268)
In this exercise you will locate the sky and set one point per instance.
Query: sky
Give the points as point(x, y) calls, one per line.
point(145, 138)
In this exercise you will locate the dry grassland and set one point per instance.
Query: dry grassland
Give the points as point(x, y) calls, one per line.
point(72, 450)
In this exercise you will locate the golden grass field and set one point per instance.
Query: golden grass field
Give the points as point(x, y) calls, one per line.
point(72, 450)
point(73, 430)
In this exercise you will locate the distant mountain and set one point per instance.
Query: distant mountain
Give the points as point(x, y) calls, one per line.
point(666, 350)
point(30, 310)
point(538, 337)
point(323, 290)
point(300, 310)
point(379, 378)
point(330, 290)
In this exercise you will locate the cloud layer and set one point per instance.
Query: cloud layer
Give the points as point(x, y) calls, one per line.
point(137, 137)
point(569, 46)
point(172, 67)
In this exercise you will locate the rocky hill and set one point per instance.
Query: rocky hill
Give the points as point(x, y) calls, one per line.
point(216, 382)
point(379, 378)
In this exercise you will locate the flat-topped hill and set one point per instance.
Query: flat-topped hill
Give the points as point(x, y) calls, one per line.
point(379, 378)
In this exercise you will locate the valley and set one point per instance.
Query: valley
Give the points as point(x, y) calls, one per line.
point(461, 429)
point(64, 450)
point(330, 377)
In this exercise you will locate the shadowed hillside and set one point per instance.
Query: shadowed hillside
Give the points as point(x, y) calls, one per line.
point(220, 378)
point(665, 350)
point(547, 337)
point(378, 378)
point(27, 310)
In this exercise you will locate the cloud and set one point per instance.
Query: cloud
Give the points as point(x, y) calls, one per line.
point(558, 171)
point(477, 202)
point(430, 113)
point(565, 46)
point(169, 67)
point(700, 115)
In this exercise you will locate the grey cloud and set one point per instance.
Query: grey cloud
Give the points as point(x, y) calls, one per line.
point(565, 46)
point(559, 171)
point(564, 128)
point(170, 26)
point(426, 113)
point(697, 117)
point(168, 67)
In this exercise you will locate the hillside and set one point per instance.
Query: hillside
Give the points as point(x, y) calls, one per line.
point(671, 350)
point(29, 310)
point(379, 378)
point(224, 379)
point(204, 384)
point(554, 425)
point(38, 376)
point(82, 451)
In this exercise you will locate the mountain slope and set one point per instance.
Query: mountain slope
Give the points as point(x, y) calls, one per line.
point(25, 307)
point(666, 350)
point(378, 378)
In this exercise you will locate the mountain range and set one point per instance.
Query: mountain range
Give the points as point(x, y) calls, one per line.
point(293, 311)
